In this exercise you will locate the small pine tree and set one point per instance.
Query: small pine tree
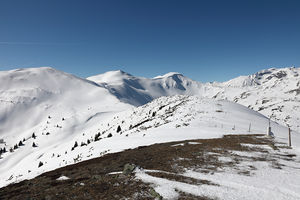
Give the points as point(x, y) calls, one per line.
point(153, 114)
point(97, 136)
point(20, 143)
point(11, 149)
point(41, 164)
point(109, 135)
point(119, 129)
point(33, 135)
point(16, 146)
point(76, 144)
point(4, 150)
point(24, 140)
point(34, 145)
point(88, 141)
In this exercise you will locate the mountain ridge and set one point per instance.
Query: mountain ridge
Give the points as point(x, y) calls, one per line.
point(61, 119)
point(266, 91)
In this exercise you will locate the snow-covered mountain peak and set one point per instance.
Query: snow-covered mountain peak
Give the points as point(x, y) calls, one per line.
point(168, 75)
point(273, 92)
point(138, 90)
point(111, 77)
point(28, 95)
point(44, 78)
point(264, 77)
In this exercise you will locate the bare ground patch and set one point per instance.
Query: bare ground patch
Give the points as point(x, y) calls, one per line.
point(92, 179)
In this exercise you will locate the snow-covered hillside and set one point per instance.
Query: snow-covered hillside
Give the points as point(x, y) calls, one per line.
point(48, 104)
point(49, 119)
point(272, 92)
point(29, 96)
point(165, 119)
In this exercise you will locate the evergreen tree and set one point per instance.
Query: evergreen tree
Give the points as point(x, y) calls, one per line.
point(20, 143)
point(97, 136)
point(34, 145)
point(33, 135)
point(76, 144)
point(41, 163)
point(153, 114)
point(118, 129)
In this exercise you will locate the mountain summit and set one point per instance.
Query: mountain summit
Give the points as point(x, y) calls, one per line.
point(138, 90)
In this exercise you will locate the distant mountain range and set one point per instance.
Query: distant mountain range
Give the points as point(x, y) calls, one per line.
point(51, 117)
point(272, 92)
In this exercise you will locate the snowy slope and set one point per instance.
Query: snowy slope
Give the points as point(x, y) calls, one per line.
point(61, 109)
point(49, 103)
point(272, 92)
point(165, 119)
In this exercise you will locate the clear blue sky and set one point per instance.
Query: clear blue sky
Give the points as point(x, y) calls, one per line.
point(205, 40)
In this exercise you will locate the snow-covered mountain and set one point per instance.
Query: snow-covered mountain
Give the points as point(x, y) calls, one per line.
point(55, 119)
point(138, 90)
point(272, 92)
point(43, 102)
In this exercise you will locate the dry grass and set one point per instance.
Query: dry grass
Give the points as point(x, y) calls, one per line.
point(91, 179)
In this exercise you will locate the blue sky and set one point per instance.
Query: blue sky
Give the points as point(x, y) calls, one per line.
point(205, 40)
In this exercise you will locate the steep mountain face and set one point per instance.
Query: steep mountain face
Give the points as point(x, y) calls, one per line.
point(273, 92)
point(138, 91)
